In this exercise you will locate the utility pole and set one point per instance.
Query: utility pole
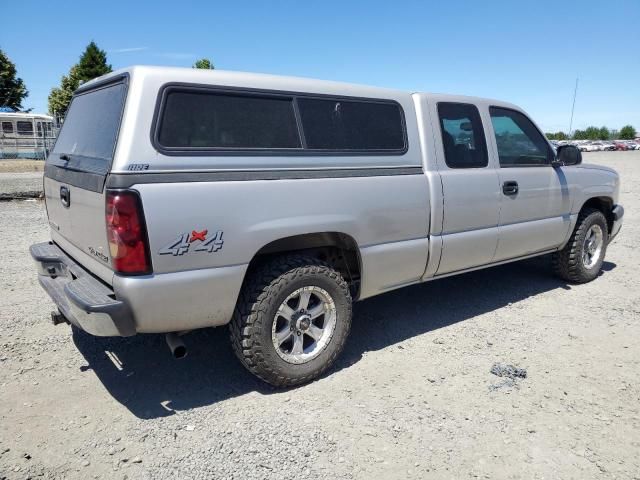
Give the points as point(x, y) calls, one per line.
point(575, 91)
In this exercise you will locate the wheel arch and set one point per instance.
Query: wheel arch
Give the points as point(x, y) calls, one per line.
point(336, 248)
point(604, 204)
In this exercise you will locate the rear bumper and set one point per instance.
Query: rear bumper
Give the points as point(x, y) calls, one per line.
point(84, 300)
point(156, 303)
point(618, 214)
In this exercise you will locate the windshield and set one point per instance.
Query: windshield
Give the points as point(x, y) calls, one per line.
point(88, 136)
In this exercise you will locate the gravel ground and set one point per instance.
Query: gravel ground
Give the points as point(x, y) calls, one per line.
point(21, 165)
point(411, 397)
point(24, 184)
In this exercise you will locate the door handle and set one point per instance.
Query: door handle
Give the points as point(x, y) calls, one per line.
point(65, 196)
point(510, 187)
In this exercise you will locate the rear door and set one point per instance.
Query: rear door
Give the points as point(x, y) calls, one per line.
point(76, 170)
point(470, 189)
point(534, 201)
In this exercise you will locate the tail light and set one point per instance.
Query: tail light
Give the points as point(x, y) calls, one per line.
point(127, 233)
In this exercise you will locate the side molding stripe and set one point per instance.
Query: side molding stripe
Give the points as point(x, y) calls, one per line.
point(125, 180)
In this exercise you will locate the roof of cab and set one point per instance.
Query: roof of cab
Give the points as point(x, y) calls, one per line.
point(275, 82)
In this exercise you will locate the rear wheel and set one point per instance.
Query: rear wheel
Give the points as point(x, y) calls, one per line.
point(292, 320)
point(581, 260)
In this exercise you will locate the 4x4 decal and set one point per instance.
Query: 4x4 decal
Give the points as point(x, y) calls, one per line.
point(183, 243)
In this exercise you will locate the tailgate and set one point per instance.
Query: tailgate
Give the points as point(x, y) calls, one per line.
point(76, 171)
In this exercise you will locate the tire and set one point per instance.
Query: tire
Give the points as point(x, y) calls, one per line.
point(569, 263)
point(260, 320)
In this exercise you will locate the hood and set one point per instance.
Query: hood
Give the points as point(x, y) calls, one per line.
point(593, 166)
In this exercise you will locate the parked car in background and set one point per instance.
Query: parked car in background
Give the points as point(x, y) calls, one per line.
point(588, 147)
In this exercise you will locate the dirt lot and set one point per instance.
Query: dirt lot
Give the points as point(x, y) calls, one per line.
point(20, 165)
point(20, 185)
point(411, 397)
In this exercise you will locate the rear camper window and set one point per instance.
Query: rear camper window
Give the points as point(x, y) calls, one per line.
point(333, 124)
point(205, 120)
point(90, 129)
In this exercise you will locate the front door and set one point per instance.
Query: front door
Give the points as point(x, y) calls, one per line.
point(535, 202)
point(470, 189)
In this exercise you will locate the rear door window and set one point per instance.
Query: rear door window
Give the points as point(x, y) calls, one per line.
point(208, 121)
point(345, 125)
point(90, 129)
point(519, 142)
point(462, 135)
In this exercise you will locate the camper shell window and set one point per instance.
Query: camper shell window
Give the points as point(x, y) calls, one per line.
point(90, 130)
point(202, 120)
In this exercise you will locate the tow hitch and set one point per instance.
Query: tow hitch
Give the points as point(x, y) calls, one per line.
point(57, 318)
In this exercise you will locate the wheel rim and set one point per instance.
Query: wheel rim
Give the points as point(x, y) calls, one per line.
point(592, 246)
point(304, 324)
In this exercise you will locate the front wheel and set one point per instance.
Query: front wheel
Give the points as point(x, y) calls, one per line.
point(292, 320)
point(581, 260)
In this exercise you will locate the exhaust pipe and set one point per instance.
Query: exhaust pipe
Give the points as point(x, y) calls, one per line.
point(176, 345)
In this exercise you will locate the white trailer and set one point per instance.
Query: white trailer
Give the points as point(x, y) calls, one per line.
point(26, 135)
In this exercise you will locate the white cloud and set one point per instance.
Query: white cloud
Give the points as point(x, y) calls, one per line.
point(128, 49)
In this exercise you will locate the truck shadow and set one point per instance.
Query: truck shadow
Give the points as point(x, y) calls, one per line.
point(140, 373)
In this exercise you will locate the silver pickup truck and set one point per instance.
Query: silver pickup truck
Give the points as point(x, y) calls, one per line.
point(181, 199)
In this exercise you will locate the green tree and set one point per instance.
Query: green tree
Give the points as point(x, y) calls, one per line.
point(204, 64)
point(557, 136)
point(592, 133)
point(60, 97)
point(92, 64)
point(604, 134)
point(12, 88)
point(579, 135)
point(628, 133)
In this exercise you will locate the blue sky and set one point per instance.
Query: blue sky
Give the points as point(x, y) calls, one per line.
point(528, 53)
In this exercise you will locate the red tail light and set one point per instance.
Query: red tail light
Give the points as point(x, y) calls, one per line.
point(127, 233)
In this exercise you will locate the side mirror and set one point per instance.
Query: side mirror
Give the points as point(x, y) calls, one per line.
point(567, 155)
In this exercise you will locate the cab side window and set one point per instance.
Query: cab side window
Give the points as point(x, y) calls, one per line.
point(519, 141)
point(462, 135)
